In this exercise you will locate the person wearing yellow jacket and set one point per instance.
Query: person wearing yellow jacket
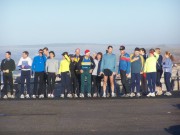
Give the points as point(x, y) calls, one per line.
point(65, 75)
point(150, 70)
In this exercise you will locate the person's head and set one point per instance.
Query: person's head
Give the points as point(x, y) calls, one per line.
point(158, 50)
point(136, 51)
point(87, 53)
point(151, 52)
point(122, 49)
point(46, 51)
point(72, 57)
point(99, 56)
point(142, 51)
point(94, 55)
point(51, 54)
point(8, 55)
point(63, 54)
point(40, 52)
point(25, 54)
point(77, 51)
point(169, 55)
point(109, 49)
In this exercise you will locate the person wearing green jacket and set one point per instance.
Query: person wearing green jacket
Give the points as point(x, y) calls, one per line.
point(150, 70)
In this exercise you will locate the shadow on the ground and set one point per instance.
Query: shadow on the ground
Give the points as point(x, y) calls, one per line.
point(177, 106)
point(173, 130)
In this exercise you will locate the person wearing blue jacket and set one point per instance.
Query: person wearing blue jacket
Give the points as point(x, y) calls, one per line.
point(38, 67)
point(108, 69)
point(124, 70)
point(167, 67)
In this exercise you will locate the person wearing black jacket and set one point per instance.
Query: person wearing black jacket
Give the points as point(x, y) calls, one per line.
point(74, 80)
point(159, 72)
point(86, 65)
point(7, 66)
point(78, 74)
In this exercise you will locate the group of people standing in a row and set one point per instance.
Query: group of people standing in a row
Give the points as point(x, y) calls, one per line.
point(78, 71)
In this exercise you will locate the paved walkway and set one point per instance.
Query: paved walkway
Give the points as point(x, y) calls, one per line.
point(144, 116)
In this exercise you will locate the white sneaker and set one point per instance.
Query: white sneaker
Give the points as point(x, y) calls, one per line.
point(49, 95)
point(124, 95)
point(149, 95)
point(27, 96)
point(127, 95)
point(153, 94)
point(104, 95)
point(81, 95)
point(62, 96)
point(22, 96)
point(89, 95)
point(95, 95)
point(33, 96)
point(168, 94)
point(138, 95)
point(5, 97)
point(69, 95)
point(12, 96)
point(132, 94)
point(113, 94)
point(75, 96)
point(41, 96)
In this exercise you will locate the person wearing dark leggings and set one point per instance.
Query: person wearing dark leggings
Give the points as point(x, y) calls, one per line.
point(167, 66)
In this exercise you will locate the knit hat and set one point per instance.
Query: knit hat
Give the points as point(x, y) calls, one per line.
point(87, 51)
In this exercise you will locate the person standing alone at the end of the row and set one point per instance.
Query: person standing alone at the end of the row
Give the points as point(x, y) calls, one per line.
point(167, 67)
point(108, 69)
point(7, 66)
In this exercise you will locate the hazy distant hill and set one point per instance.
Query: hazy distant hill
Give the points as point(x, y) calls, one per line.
point(59, 48)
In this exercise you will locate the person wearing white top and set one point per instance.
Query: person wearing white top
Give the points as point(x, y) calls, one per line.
point(96, 77)
point(25, 64)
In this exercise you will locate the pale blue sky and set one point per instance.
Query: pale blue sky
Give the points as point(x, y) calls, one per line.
point(26, 22)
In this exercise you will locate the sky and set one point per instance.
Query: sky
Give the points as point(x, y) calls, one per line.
point(31, 22)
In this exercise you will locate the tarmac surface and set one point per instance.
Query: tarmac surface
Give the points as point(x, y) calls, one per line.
point(112, 116)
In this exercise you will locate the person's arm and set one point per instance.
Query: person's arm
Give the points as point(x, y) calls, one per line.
point(145, 66)
point(156, 55)
point(102, 65)
point(142, 63)
point(60, 67)
point(33, 64)
point(56, 67)
point(2, 65)
point(46, 66)
point(128, 64)
point(92, 63)
point(67, 58)
point(79, 67)
point(13, 66)
point(114, 63)
point(20, 63)
point(167, 64)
